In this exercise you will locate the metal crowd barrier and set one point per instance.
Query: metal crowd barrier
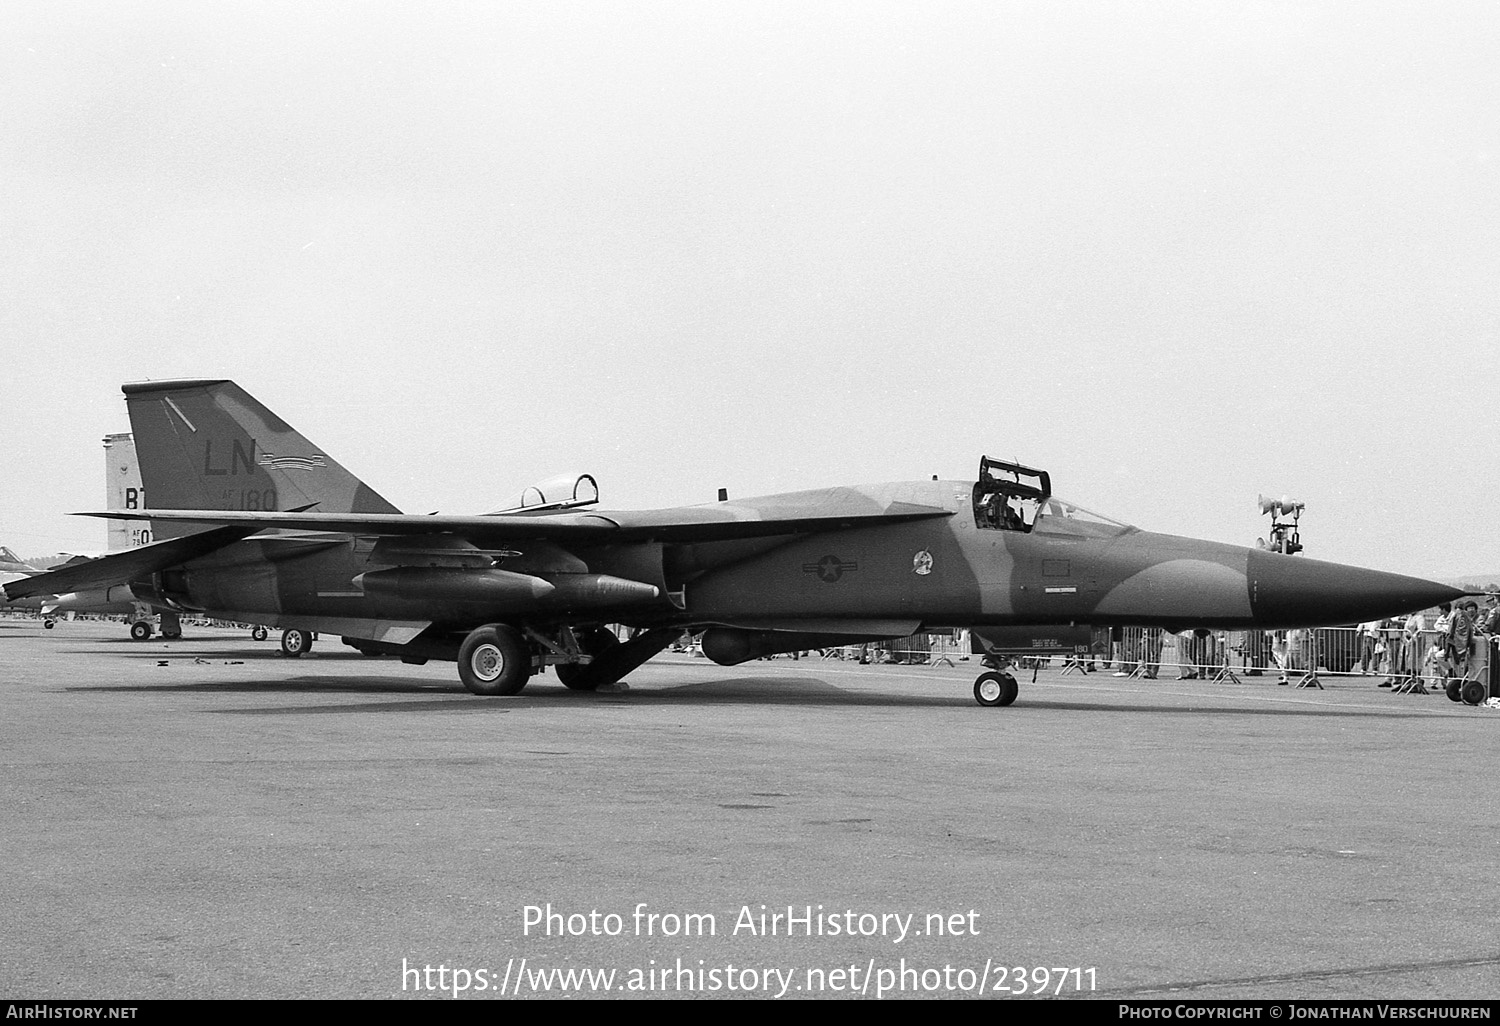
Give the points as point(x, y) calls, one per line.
point(1300, 656)
point(1140, 651)
point(1420, 663)
point(945, 648)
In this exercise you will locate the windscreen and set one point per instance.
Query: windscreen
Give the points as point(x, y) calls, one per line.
point(1074, 518)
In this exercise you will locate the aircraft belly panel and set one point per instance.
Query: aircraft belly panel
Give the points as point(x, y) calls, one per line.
point(392, 632)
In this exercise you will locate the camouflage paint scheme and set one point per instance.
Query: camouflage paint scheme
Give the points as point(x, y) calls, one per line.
point(776, 573)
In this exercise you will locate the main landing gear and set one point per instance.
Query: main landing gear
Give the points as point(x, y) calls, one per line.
point(494, 660)
point(581, 677)
point(295, 642)
point(499, 658)
point(995, 686)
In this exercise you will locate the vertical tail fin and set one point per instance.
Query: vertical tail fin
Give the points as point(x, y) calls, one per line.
point(122, 490)
point(10, 563)
point(211, 445)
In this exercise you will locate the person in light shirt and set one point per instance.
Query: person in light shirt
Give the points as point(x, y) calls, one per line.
point(1369, 633)
point(1413, 660)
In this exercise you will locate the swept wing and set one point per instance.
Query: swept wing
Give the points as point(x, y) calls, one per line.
point(121, 567)
point(688, 524)
point(720, 522)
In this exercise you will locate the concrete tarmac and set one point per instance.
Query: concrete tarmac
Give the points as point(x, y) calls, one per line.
point(204, 818)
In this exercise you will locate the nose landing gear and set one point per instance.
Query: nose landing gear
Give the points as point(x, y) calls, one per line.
point(995, 688)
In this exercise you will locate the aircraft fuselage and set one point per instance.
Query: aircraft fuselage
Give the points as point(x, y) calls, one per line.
point(937, 573)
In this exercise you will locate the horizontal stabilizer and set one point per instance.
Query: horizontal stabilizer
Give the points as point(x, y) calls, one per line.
point(124, 567)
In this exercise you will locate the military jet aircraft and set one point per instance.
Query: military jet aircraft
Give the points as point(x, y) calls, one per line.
point(49, 606)
point(122, 485)
point(10, 563)
point(295, 540)
point(122, 481)
point(12, 568)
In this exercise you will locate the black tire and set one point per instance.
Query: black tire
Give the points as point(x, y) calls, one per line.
point(995, 689)
point(259, 634)
point(1453, 688)
point(295, 643)
point(47, 625)
point(493, 660)
point(140, 631)
point(172, 635)
point(363, 647)
point(576, 676)
point(1474, 693)
point(599, 640)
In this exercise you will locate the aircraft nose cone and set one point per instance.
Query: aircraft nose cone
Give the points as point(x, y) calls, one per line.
point(1289, 591)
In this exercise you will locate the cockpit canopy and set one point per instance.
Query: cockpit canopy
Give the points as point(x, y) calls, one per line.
point(567, 491)
point(1010, 497)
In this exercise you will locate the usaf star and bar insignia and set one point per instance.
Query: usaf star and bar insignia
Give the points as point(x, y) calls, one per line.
point(831, 568)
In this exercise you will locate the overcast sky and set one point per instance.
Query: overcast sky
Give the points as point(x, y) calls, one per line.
point(1178, 254)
